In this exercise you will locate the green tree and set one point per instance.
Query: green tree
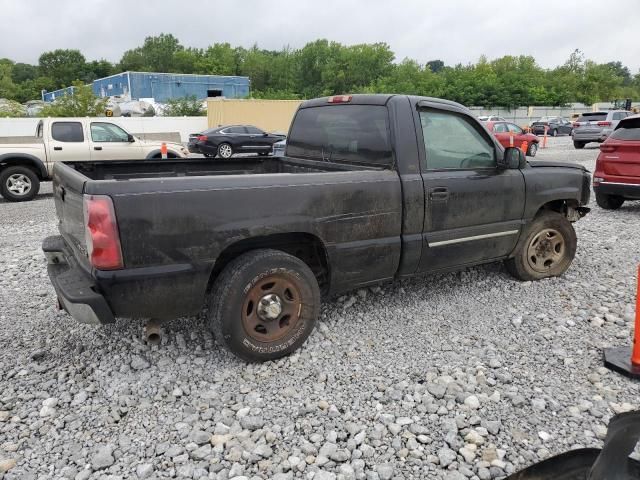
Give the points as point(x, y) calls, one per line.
point(157, 54)
point(188, 106)
point(63, 66)
point(81, 103)
point(7, 87)
point(435, 65)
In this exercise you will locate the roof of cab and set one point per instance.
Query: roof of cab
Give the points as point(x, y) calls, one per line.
point(377, 99)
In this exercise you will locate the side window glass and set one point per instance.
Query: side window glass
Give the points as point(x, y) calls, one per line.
point(500, 128)
point(68, 132)
point(514, 128)
point(108, 132)
point(451, 140)
point(254, 131)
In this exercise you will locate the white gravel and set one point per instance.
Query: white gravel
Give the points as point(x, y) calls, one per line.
point(465, 375)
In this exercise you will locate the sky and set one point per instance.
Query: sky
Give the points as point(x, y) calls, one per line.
point(455, 31)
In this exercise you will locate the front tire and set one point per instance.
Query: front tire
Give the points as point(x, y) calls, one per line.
point(225, 150)
point(554, 132)
point(19, 184)
point(579, 145)
point(532, 150)
point(545, 249)
point(264, 305)
point(609, 202)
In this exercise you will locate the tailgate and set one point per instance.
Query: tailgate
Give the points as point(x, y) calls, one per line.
point(68, 187)
point(624, 160)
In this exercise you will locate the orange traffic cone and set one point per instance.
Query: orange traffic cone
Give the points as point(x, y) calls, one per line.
point(524, 147)
point(617, 359)
point(544, 139)
point(510, 139)
point(163, 150)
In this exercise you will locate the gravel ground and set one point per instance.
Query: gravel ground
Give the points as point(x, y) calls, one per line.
point(465, 375)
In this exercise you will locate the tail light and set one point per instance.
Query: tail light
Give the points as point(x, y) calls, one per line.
point(576, 124)
point(101, 233)
point(604, 124)
point(202, 138)
point(608, 148)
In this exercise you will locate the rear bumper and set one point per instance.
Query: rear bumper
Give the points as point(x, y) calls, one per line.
point(626, 190)
point(600, 136)
point(193, 148)
point(75, 289)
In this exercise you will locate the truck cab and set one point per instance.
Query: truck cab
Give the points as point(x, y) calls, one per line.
point(27, 162)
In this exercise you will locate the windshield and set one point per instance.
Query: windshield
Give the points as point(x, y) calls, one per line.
point(342, 133)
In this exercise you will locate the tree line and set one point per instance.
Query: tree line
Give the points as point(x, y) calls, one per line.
point(324, 67)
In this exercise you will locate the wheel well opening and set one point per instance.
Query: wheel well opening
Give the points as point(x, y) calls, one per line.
point(559, 206)
point(21, 162)
point(305, 246)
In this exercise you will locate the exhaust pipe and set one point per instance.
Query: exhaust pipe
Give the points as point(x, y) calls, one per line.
point(153, 332)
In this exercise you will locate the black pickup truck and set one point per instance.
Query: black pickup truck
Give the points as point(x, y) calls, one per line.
point(372, 188)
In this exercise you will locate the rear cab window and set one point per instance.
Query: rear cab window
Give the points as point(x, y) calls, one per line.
point(68, 132)
point(592, 117)
point(357, 134)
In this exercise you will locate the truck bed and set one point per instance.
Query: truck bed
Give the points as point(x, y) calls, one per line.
point(130, 170)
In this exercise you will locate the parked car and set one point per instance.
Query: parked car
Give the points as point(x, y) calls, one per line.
point(279, 148)
point(27, 161)
point(373, 188)
point(511, 135)
point(228, 140)
point(554, 125)
point(617, 175)
point(491, 118)
point(596, 126)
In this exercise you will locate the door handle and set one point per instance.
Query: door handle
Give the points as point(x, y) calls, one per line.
point(57, 148)
point(439, 194)
point(97, 148)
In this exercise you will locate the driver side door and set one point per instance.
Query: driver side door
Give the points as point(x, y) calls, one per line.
point(473, 209)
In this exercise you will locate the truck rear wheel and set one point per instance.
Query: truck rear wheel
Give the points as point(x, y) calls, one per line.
point(579, 145)
point(546, 248)
point(264, 305)
point(19, 184)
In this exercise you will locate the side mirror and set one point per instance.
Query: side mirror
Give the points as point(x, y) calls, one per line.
point(131, 138)
point(265, 134)
point(513, 158)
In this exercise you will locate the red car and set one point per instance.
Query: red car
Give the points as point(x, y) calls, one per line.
point(507, 132)
point(617, 175)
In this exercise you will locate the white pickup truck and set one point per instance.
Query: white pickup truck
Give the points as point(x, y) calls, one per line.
point(26, 161)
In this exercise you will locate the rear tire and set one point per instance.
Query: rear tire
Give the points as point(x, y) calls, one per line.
point(264, 305)
point(609, 202)
point(546, 248)
point(19, 184)
point(579, 145)
point(554, 132)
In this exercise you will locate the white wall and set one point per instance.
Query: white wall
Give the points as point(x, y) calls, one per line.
point(14, 127)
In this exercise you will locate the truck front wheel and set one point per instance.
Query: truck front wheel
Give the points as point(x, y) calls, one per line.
point(546, 248)
point(264, 305)
point(19, 184)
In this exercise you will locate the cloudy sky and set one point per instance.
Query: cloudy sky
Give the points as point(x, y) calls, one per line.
point(454, 31)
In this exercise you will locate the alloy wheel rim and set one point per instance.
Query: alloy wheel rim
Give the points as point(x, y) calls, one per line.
point(19, 184)
point(225, 151)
